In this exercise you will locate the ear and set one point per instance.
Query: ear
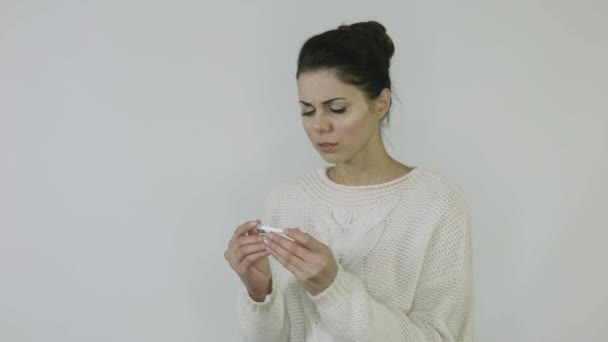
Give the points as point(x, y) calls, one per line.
point(383, 103)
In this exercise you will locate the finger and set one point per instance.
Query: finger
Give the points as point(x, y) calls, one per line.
point(244, 228)
point(293, 246)
point(235, 244)
point(244, 240)
point(246, 250)
point(241, 230)
point(249, 239)
point(303, 239)
point(251, 259)
point(287, 256)
point(286, 260)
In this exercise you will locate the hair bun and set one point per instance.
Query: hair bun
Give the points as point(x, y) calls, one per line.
point(375, 32)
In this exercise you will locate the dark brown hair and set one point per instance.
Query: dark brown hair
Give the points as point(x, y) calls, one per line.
point(359, 53)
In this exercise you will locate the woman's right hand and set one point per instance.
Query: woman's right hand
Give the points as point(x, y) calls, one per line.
point(248, 257)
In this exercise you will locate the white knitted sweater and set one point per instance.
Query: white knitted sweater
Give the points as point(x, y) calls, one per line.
point(403, 250)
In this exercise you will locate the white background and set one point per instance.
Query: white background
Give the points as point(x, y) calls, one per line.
point(136, 135)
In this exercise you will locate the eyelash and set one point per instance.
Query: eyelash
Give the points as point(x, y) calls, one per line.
point(339, 111)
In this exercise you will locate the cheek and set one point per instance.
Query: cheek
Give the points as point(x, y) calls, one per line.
point(351, 131)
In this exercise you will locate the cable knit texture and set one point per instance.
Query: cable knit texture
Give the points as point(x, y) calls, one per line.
point(403, 250)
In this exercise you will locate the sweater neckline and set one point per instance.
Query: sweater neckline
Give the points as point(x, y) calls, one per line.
point(324, 177)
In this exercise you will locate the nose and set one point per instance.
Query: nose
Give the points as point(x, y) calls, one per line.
point(320, 122)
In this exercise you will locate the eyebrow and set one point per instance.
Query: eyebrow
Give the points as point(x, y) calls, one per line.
point(324, 102)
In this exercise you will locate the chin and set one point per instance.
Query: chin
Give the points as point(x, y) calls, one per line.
point(330, 158)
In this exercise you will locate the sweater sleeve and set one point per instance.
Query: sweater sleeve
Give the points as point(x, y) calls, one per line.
point(442, 306)
point(267, 320)
point(262, 321)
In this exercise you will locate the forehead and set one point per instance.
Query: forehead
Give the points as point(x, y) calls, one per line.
point(316, 86)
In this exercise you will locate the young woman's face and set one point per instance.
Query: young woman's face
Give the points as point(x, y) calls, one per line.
point(337, 113)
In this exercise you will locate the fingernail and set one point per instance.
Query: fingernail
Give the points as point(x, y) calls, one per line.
point(253, 223)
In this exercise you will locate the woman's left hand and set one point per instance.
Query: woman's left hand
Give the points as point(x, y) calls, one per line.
point(310, 261)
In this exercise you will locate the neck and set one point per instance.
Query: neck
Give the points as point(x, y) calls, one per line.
point(379, 170)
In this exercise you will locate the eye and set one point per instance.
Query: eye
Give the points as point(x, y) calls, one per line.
point(338, 111)
point(307, 113)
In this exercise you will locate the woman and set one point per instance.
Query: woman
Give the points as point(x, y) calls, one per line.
point(377, 250)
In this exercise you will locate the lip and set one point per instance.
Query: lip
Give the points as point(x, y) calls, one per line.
point(330, 147)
